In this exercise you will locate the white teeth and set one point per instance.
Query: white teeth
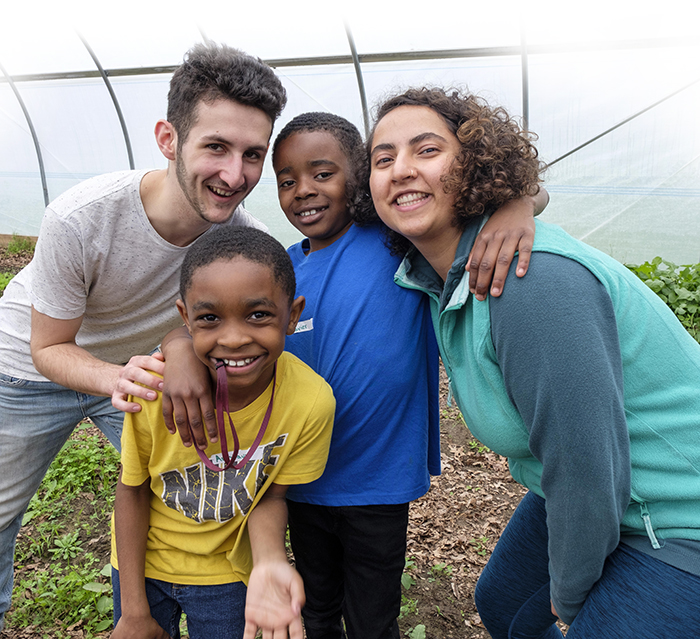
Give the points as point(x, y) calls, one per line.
point(238, 362)
point(221, 192)
point(410, 198)
point(308, 213)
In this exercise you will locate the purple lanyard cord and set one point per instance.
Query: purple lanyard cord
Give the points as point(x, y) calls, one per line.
point(221, 412)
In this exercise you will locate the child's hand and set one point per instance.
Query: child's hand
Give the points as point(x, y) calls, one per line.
point(187, 394)
point(136, 379)
point(274, 601)
point(138, 628)
point(510, 229)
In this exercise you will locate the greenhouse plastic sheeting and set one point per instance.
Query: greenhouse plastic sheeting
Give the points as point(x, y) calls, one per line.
point(634, 192)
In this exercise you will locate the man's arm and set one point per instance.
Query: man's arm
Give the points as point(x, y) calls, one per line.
point(60, 359)
point(131, 520)
point(275, 590)
point(509, 230)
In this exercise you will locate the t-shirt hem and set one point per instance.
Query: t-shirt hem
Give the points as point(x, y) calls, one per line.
point(359, 500)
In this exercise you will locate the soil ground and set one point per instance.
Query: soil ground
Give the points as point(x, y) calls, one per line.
point(452, 532)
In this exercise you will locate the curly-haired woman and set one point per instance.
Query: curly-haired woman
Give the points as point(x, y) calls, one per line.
point(578, 373)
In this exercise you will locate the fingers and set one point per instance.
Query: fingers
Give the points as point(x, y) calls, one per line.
point(484, 265)
point(250, 630)
point(490, 260)
point(296, 630)
point(120, 402)
point(136, 378)
point(208, 413)
point(293, 631)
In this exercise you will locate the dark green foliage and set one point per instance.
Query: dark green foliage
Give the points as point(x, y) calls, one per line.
point(677, 286)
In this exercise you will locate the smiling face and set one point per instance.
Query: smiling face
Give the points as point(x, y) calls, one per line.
point(312, 171)
point(412, 149)
point(222, 158)
point(236, 312)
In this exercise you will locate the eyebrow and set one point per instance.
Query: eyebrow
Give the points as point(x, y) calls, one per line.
point(208, 139)
point(428, 135)
point(205, 305)
point(313, 163)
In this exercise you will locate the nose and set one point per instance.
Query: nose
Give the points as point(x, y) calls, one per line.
point(403, 167)
point(234, 335)
point(232, 171)
point(305, 188)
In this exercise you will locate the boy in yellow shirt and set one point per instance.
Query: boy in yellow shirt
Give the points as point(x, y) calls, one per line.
point(192, 528)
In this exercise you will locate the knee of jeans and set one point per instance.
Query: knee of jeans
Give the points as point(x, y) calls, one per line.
point(485, 595)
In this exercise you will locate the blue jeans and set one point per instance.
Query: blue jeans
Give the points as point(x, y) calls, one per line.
point(213, 612)
point(637, 595)
point(351, 559)
point(36, 419)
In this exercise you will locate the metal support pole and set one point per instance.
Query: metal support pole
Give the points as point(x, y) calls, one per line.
point(32, 131)
point(525, 78)
point(360, 83)
point(113, 95)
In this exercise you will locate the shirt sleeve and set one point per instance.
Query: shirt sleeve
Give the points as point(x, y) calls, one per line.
point(556, 341)
point(307, 460)
point(58, 287)
point(137, 444)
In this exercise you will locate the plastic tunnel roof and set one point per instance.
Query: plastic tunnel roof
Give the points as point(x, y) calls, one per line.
point(619, 81)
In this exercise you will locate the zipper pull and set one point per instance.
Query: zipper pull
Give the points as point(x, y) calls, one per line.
point(647, 525)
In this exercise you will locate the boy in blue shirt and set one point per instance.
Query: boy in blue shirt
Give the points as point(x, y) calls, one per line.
point(374, 343)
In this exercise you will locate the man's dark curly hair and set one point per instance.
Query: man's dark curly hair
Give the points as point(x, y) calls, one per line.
point(228, 242)
point(348, 137)
point(214, 71)
point(497, 161)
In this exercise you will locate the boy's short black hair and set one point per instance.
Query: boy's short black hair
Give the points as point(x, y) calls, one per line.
point(228, 242)
point(350, 141)
point(211, 72)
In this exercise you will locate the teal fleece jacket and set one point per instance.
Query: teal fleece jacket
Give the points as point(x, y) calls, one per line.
point(588, 383)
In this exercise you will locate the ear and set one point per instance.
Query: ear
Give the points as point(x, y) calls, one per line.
point(297, 307)
point(183, 314)
point(166, 138)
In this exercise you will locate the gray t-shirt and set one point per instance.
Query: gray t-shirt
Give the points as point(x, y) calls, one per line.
point(98, 257)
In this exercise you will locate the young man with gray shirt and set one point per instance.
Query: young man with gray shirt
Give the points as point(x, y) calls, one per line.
point(102, 286)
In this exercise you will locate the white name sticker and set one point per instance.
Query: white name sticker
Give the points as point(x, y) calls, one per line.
point(306, 325)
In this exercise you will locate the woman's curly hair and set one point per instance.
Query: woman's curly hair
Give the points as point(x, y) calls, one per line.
point(497, 161)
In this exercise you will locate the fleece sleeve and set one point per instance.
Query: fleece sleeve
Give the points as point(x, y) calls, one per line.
point(557, 344)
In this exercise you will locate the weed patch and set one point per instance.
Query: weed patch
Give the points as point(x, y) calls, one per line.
point(20, 244)
point(677, 286)
point(5, 280)
point(62, 557)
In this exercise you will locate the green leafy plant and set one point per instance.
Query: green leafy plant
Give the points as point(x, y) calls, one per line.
point(406, 579)
point(677, 286)
point(479, 545)
point(477, 447)
point(68, 546)
point(408, 606)
point(416, 633)
point(20, 244)
point(5, 280)
point(440, 570)
point(72, 506)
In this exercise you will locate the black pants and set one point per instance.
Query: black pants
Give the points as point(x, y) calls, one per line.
point(351, 559)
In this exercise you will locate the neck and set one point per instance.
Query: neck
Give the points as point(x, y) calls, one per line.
point(167, 209)
point(440, 254)
point(317, 245)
